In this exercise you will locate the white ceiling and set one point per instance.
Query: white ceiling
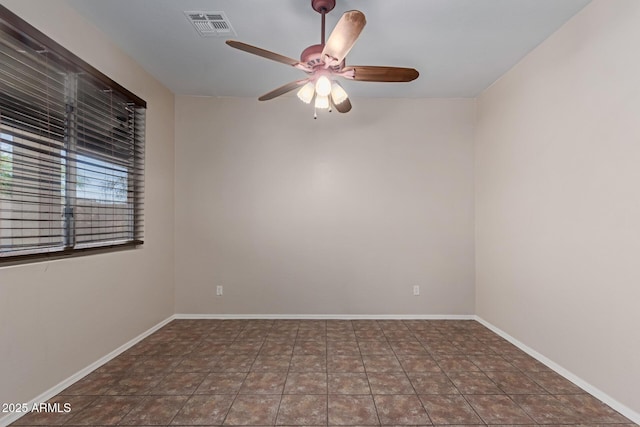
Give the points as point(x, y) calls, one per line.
point(459, 46)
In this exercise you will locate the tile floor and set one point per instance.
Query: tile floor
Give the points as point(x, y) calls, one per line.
point(319, 373)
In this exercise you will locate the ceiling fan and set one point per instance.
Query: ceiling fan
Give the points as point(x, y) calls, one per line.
point(325, 62)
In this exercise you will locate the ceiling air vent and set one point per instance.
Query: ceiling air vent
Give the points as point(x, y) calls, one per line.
point(211, 24)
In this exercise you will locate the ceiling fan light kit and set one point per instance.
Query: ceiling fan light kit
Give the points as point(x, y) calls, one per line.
point(325, 63)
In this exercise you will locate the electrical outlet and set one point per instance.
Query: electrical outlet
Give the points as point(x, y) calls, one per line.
point(416, 290)
point(219, 291)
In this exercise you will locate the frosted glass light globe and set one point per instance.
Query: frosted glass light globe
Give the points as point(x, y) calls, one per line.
point(322, 102)
point(306, 92)
point(338, 94)
point(323, 86)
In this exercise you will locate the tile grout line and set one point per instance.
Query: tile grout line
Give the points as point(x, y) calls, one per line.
point(245, 378)
point(509, 395)
point(286, 377)
point(503, 391)
point(465, 397)
point(407, 375)
point(461, 394)
point(197, 387)
point(367, 375)
point(326, 367)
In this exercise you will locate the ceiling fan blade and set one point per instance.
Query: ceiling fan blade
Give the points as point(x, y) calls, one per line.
point(344, 106)
point(370, 73)
point(282, 90)
point(343, 37)
point(262, 52)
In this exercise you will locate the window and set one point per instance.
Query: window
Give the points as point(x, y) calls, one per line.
point(6, 165)
point(71, 151)
point(92, 185)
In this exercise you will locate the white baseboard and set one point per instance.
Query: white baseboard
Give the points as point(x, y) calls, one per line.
point(594, 391)
point(330, 316)
point(12, 417)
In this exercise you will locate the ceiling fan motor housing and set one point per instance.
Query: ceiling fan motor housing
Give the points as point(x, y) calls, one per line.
point(312, 56)
point(323, 5)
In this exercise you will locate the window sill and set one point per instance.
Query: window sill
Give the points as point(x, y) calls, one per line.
point(10, 260)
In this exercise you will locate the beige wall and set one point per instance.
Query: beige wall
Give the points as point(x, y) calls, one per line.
point(558, 199)
point(340, 215)
point(58, 317)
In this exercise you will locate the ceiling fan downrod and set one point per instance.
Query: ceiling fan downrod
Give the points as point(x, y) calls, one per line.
point(323, 7)
point(324, 12)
